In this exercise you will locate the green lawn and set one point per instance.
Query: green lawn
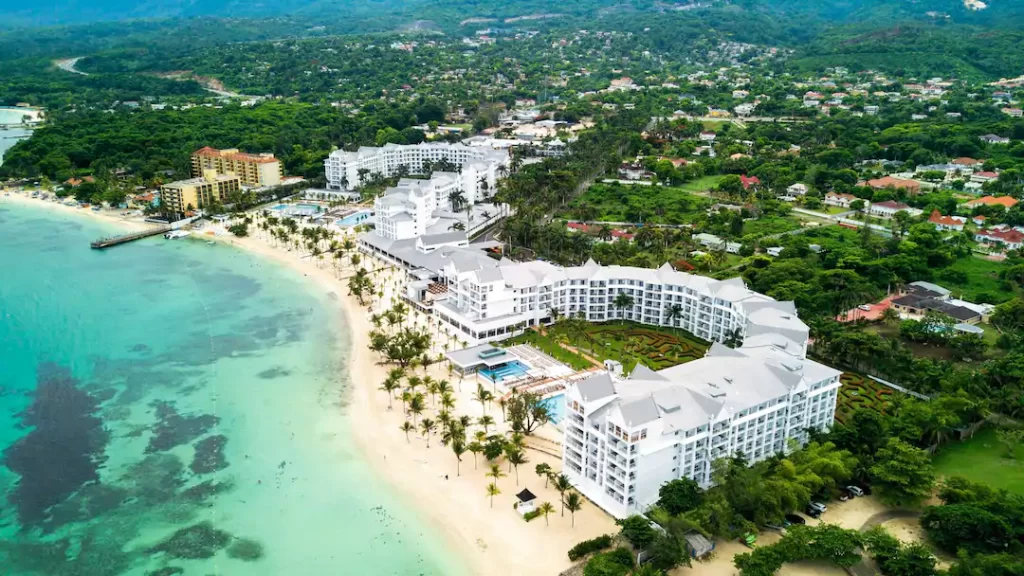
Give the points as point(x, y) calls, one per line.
point(976, 279)
point(981, 459)
point(630, 343)
point(702, 184)
point(650, 204)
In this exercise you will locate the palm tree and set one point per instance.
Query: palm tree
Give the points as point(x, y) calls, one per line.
point(476, 448)
point(413, 382)
point(458, 448)
point(562, 484)
point(496, 473)
point(492, 491)
point(427, 426)
point(390, 386)
point(544, 469)
point(516, 457)
point(447, 401)
point(673, 312)
point(623, 301)
point(485, 421)
point(546, 508)
point(407, 427)
point(482, 396)
point(890, 316)
point(416, 406)
point(406, 399)
point(573, 502)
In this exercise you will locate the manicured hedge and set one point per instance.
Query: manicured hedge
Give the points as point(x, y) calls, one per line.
point(587, 546)
point(860, 393)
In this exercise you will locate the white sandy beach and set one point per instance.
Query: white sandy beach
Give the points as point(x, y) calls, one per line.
point(492, 541)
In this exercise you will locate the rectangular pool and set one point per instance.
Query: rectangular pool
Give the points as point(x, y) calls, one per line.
point(556, 407)
point(508, 370)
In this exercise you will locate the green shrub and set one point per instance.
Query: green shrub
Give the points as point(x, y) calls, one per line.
point(531, 515)
point(618, 562)
point(587, 546)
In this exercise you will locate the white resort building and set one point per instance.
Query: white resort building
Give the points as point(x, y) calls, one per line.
point(345, 170)
point(416, 207)
point(625, 438)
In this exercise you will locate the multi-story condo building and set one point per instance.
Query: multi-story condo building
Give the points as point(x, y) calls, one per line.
point(255, 170)
point(492, 303)
point(415, 207)
point(185, 195)
point(625, 438)
point(345, 170)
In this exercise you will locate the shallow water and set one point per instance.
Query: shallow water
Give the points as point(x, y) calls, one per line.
point(174, 407)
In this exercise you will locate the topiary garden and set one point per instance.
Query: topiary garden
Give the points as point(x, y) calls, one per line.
point(859, 393)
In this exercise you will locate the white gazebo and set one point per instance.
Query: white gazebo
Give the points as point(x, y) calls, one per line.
point(526, 502)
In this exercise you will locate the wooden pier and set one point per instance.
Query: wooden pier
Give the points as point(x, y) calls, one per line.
point(124, 239)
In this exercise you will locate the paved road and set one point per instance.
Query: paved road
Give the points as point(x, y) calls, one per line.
point(68, 65)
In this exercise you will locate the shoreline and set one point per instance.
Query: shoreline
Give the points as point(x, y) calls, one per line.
point(485, 541)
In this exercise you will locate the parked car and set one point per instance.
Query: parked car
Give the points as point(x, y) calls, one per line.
point(865, 488)
point(855, 490)
point(790, 519)
point(865, 307)
point(812, 512)
point(844, 496)
point(817, 506)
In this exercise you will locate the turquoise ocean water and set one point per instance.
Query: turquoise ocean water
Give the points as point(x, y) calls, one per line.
point(174, 407)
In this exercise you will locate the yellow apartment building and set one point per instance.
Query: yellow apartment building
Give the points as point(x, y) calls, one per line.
point(178, 197)
point(254, 170)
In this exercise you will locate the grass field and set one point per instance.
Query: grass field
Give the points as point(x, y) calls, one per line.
point(702, 184)
point(981, 459)
point(982, 283)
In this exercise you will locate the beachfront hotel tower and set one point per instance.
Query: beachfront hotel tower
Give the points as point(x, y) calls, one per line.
point(626, 437)
point(185, 195)
point(253, 170)
point(345, 170)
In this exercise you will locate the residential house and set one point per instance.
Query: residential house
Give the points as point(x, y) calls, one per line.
point(941, 222)
point(797, 189)
point(911, 186)
point(920, 298)
point(1013, 112)
point(979, 220)
point(994, 139)
point(966, 162)
point(889, 209)
point(984, 177)
point(1009, 238)
point(840, 200)
point(1005, 201)
point(751, 182)
point(707, 136)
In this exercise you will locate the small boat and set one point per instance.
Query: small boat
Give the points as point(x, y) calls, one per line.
point(175, 234)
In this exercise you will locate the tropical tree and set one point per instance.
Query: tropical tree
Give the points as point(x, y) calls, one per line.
point(427, 426)
point(492, 491)
point(390, 386)
point(544, 470)
point(407, 427)
point(546, 508)
point(458, 448)
point(622, 302)
point(515, 457)
point(562, 484)
point(483, 396)
point(495, 473)
point(573, 503)
point(485, 421)
point(902, 474)
point(476, 448)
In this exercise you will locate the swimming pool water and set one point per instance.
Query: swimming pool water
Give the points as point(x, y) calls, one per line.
point(353, 219)
point(556, 407)
point(509, 370)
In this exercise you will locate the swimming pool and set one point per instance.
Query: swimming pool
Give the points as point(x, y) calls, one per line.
point(556, 407)
point(508, 370)
point(354, 218)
